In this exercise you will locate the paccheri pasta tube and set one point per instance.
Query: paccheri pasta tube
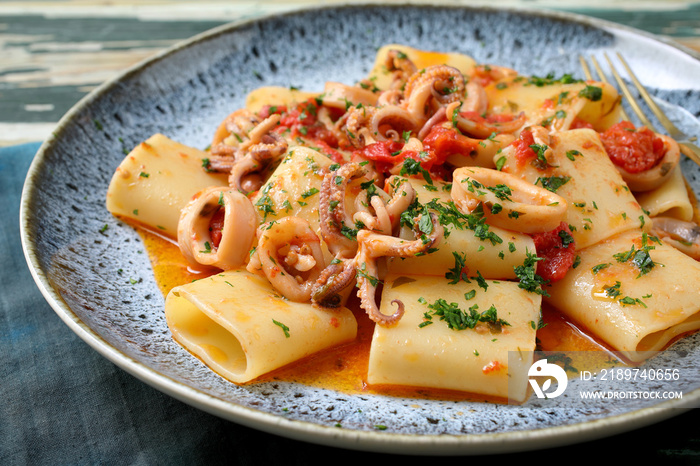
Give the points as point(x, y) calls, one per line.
point(632, 291)
point(491, 251)
point(465, 342)
point(573, 164)
point(156, 180)
point(239, 325)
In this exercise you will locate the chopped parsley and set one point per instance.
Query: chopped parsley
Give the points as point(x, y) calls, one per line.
point(413, 167)
point(552, 183)
point(265, 204)
point(550, 79)
point(572, 154)
point(309, 193)
point(450, 215)
point(206, 164)
point(566, 238)
point(459, 319)
point(577, 262)
point(541, 162)
point(349, 233)
point(629, 301)
point(612, 291)
point(528, 279)
point(284, 328)
point(592, 93)
point(640, 258)
point(501, 162)
point(597, 268)
point(374, 281)
point(501, 191)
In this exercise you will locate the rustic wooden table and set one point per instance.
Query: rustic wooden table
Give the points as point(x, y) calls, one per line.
point(54, 52)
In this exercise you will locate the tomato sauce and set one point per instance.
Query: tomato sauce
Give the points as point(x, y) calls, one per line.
point(558, 250)
point(438, 145)
point(634, 149)
point(216, 226)
point(344, 368)
point(302, 121)
point(523, 152)
point(444, 142)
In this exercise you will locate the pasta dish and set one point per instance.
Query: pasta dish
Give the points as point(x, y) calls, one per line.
point(440, 201)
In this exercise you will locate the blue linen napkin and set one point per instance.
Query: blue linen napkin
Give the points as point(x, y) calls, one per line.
point(63, 403)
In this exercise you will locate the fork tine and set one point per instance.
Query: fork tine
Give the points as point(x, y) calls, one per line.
point(691, 150)
point(665, 122)
point(628, 95)
point(586, 69)
point(688, 148)
point(598, 69)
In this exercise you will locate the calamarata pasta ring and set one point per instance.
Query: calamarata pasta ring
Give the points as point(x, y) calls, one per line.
point(508, 201)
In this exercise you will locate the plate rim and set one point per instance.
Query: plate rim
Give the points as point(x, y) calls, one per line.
point(386, 442)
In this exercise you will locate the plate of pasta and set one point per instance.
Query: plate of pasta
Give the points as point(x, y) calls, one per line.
point(369, 235)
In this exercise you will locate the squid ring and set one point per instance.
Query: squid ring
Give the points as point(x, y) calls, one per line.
point(290, 255)
point(194, 232)
point(659, 173)
point(338, 95)
point(684, 236)
point(522, 206)
point(391, 121)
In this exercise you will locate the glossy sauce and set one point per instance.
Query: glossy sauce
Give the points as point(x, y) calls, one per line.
point(344, 368)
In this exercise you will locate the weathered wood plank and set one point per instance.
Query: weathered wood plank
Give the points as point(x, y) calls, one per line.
point(53, 52)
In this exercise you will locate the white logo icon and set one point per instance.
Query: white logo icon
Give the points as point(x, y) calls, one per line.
point(542, 368)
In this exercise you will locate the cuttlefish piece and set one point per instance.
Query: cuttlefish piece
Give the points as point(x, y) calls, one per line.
point(194, 232)
point(508, 201)
point(289, 254)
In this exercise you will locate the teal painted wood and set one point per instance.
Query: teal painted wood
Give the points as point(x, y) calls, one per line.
point(40, 86)
point(47, 63)
point(679, 23)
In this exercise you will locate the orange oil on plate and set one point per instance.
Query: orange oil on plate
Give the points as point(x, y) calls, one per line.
point(344, 368)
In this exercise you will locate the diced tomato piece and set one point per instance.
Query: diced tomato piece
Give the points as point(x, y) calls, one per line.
point(268, 110)
point(444, 142)
point(329, 150)
point(387, 154)
point(634, 149)
point(304, 114)
point(548, 103)
point(216, 227)
point(558, 250)
point(384, 151)
point(523, 152)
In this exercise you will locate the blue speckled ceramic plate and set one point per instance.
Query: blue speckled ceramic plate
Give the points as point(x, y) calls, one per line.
point(185, 92)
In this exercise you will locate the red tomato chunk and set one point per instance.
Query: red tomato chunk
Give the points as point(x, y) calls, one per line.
point(558, 250)
point(445, 142)
point(634, 149)
point(216, 227)
point(523, 152)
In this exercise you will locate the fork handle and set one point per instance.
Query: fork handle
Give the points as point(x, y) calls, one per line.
point(691, 151)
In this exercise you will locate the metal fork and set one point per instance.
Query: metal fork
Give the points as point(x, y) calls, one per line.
point(687, 147)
